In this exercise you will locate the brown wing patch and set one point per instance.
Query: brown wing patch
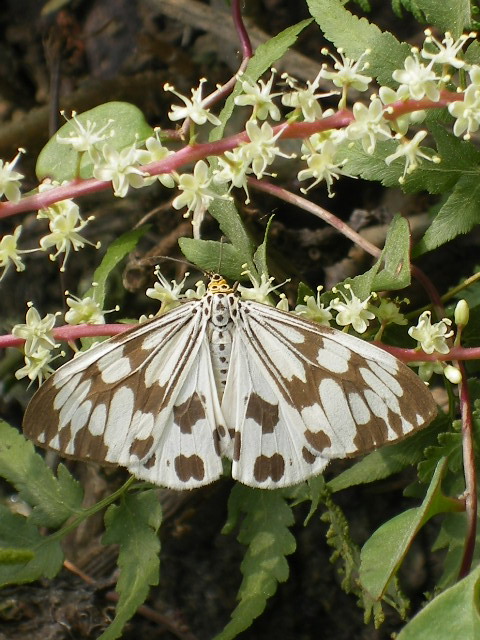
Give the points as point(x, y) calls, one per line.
point(188, 467)
point(269, 467)
point(262, 412)
point(318, 440)
point(186, 415)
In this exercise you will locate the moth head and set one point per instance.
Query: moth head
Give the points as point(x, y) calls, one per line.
point(218, 284)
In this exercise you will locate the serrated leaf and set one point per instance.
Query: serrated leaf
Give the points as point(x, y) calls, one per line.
point(388, 460)
point(454, 16)
point(53, 500)
point(452, 614)
point(265, 529)
point(356, 35)
point(458, 215)
point(133, 525)
point(44, 556)
point(450, 447)
point(264, 57)
point(213, 257)
point(61, 162)
point(385, 550)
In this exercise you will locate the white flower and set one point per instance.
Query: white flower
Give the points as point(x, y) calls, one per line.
point(322, 166)
point(410, 150)
point(261, 290)
point(169, 293)
point(352, 310)
point(194, 108)
point(83, 310)
point(261, 150)
point(119, 167)
point(9, 253)
point(347, 72)
point(388, 313)
point(447, 50)
point(305, 100)
point(417, 79)
point(431, 337)
point(84, 138)
point(37, 331)
point(233, 168)
point(58, 209)
point(315, 310)
point(65, 225)
point(402, 122)
point(466, 112)
point(369, 126)
point(37, 365)
point(10, 179)
point(196, 195)
point(258, 96)
point(155, 151)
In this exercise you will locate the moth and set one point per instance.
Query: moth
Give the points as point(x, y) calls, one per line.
point(223, 377)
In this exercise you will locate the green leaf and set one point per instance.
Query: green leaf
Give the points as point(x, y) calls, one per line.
point(458, 215)
point(450, 447)
point(260, 257)
point(452, 614)
point(43, 557)
point(115, 253)
point(263, 58)
point(213, 257)
point(61, 162)
point(388, 460)
point(452, 538)
point(356, 35)
point(454, 16)
point(265, 531)
point(133, 525)
point(232, 225)
point(395, 258)
point(385, 550)
point(54, 500)
point(458, 158)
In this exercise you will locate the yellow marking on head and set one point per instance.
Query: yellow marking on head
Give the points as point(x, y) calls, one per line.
point(218, 284)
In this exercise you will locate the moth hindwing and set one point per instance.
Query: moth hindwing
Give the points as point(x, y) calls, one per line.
point(224, 377)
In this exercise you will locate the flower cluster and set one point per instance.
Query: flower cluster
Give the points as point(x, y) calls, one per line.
point(39, 343)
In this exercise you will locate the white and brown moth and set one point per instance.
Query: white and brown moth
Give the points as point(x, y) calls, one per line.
point(224, 377)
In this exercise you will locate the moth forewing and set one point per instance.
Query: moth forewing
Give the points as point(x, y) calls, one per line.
point(223, 377)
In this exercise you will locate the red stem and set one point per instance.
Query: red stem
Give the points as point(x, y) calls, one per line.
point(470, 475)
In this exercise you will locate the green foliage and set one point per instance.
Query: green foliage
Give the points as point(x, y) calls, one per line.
point(61, 162)
point(384, 551)
point(133, 525)
point(265, 529)
point(42, 557)
point(452, 16)
point(264, 57)
point(452, 614)
point(115, 253)
point(213, 256)
point(355, 35)
point(54, 499)
point(390, 459)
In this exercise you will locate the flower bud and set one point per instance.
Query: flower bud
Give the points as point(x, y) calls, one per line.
point(462, 313)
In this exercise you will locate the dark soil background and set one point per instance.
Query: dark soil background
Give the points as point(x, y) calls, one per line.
point(92, 51)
